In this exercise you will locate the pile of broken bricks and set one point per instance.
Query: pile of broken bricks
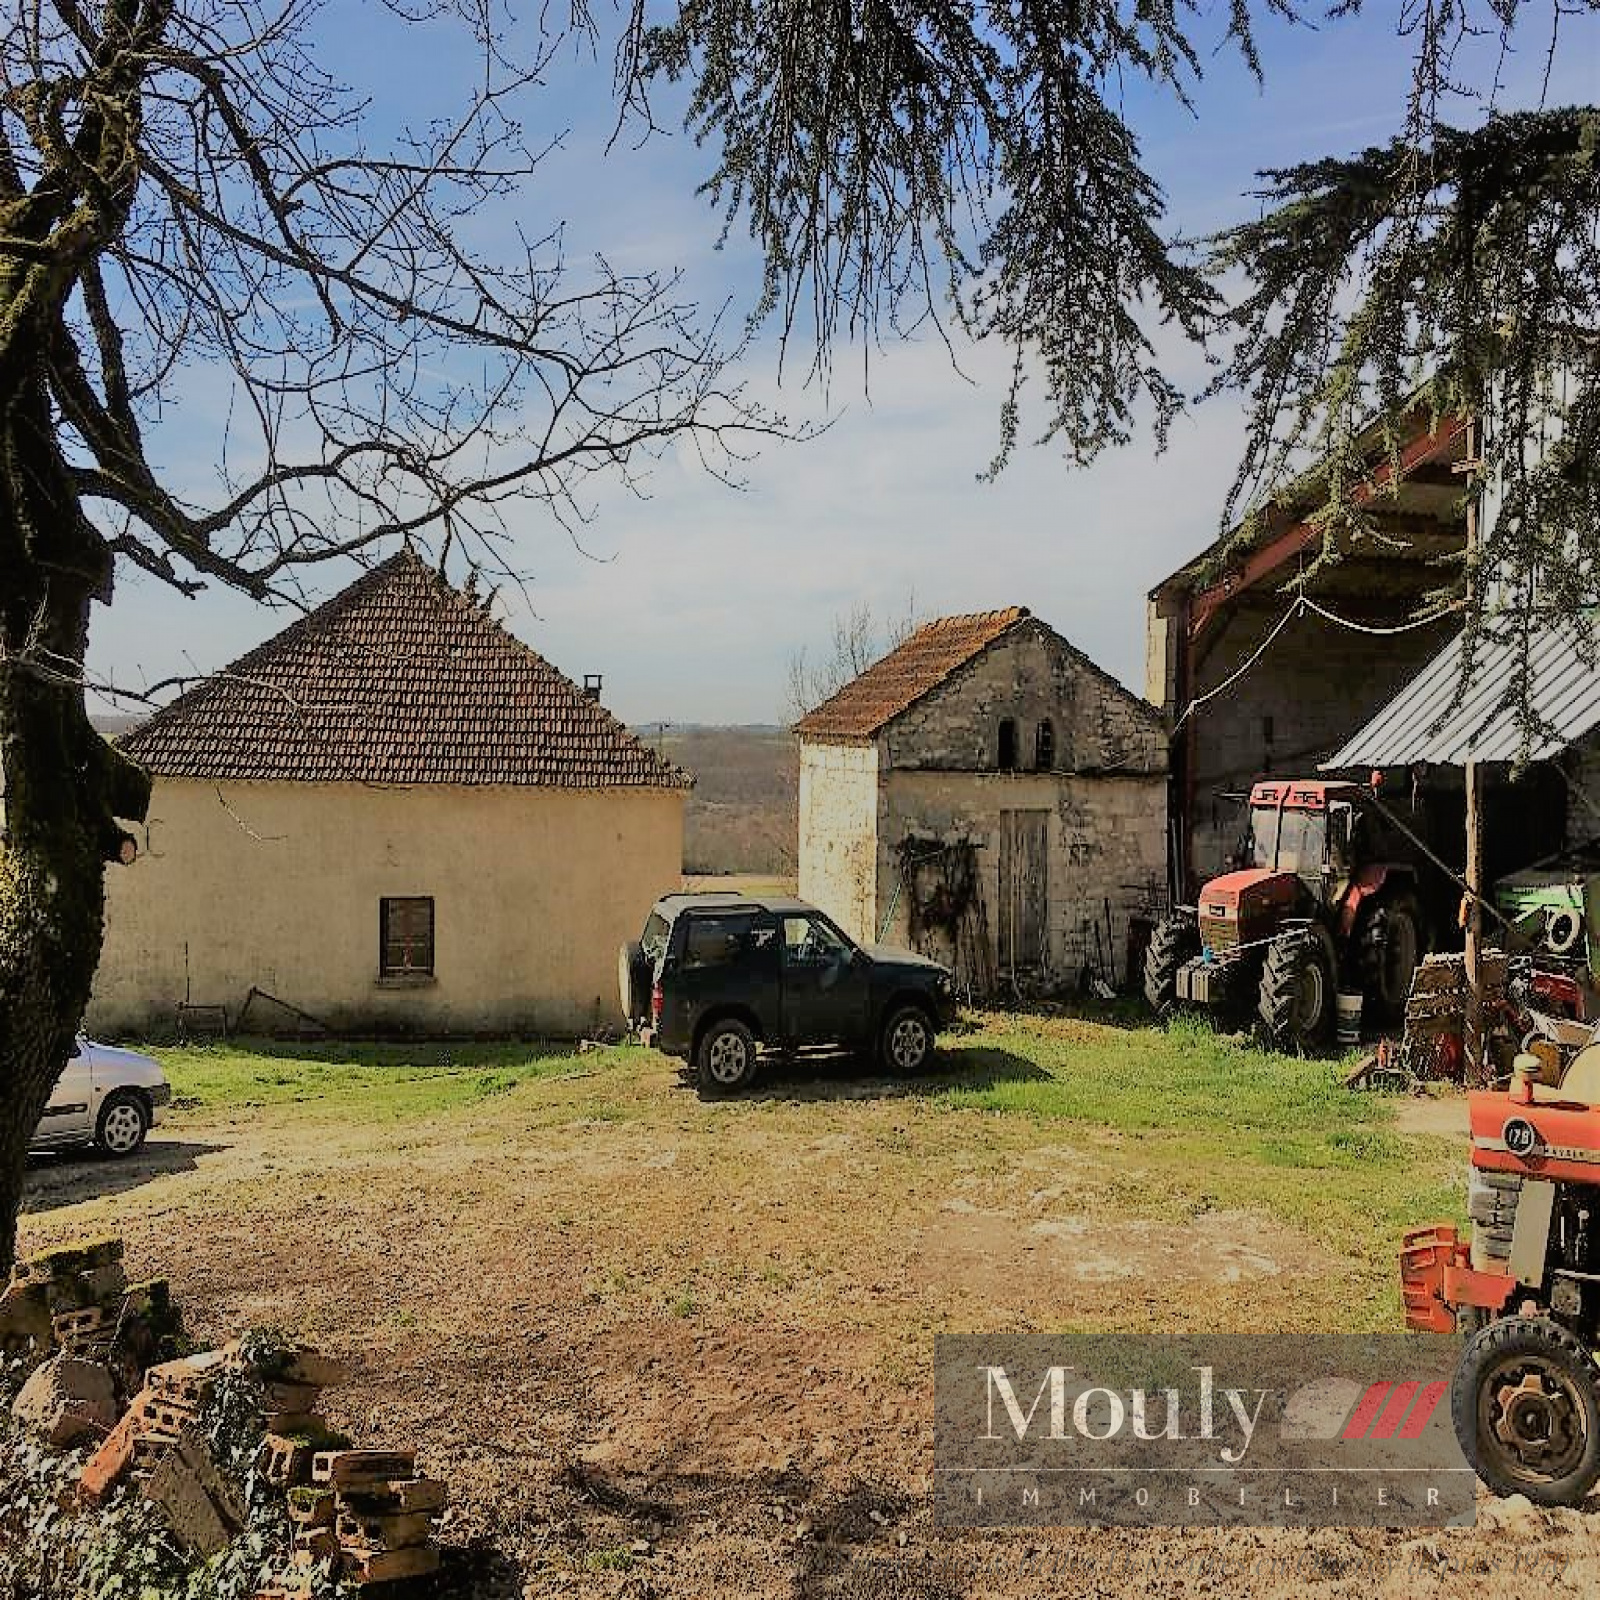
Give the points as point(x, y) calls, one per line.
point(95, 1334)
point(76, 1301)
point(368, 1513)
point(158, 1442)
point(364, 1515)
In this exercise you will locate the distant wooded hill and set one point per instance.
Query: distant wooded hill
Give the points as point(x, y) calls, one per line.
point(743, 815)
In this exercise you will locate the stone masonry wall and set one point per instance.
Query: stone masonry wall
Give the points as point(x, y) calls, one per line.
point(1107, 841)
point(933, 775)
point(1028, 675)
point(1314, 687)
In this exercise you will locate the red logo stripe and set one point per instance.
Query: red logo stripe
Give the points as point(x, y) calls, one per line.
point(1399, 1403)
point(1432, 1394)
point(1365, 1411)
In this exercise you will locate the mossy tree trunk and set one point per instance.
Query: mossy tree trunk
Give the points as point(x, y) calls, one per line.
point(64, 787)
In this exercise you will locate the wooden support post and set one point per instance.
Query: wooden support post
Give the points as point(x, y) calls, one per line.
point(1473, 1032)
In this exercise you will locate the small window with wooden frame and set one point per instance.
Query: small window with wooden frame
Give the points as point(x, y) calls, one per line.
point(1006, 754)
point(405, 936)
point(1044, 746)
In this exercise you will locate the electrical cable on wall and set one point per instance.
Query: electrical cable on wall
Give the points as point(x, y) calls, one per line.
point(1227, 683)
point(1299, 605)
point(1384, 632)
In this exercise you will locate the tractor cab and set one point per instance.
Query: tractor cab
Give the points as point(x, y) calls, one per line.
point(1308, 829)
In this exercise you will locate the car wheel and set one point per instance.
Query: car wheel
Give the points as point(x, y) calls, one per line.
point(907, 1040)
point(726, 1060)
point(123, 1123)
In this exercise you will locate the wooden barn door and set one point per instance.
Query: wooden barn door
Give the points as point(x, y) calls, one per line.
point(1024, 888)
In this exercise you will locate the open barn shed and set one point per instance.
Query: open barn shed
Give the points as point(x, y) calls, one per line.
point(1253, 684)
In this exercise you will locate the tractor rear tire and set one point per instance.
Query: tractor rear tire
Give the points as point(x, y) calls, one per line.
point(1297, 988)
point(1175, 941)
point(1391, 949)
point(1526, 1407)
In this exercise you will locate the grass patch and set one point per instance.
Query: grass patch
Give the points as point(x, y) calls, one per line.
point(1135, 1079)
point(364, 1081)
point(1164, 1125)
point(1205, 1122)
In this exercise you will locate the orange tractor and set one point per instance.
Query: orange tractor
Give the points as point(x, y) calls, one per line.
point(1326, 898)
point(1525, 1286)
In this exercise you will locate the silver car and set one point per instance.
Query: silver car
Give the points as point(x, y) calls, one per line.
point(106, 1097)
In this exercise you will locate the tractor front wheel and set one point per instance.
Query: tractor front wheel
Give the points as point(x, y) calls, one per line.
point(1175, 941)
point(1297, 988)
point(1526, 1408)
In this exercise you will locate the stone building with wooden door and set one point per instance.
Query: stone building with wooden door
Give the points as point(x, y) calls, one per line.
point(985, 793)
point(394, 817)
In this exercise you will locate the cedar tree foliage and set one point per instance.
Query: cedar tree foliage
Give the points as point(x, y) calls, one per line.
point(191, 206)
point(891, 155)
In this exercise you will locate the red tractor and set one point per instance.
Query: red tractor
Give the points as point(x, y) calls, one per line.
point(1325, 899)
point(1526, 1287)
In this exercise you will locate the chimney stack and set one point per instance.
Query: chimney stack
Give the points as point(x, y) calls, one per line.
point(591, 685)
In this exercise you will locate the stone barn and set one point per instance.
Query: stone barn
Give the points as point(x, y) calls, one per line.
point(985, 793)
point(394, 817)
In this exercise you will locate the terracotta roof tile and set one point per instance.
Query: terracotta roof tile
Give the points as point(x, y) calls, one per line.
point(907, 673)
point(398, 679)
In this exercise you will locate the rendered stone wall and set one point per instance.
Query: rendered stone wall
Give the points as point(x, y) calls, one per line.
point(838, 832)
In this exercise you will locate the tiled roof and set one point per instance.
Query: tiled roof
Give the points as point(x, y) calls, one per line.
point(398, 679)
point(922, 663)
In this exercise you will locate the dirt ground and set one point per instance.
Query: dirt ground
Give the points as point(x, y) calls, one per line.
point(667, 1347)
point(1443, 1114)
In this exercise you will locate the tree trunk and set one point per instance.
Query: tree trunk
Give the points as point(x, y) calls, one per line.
point(63, 785)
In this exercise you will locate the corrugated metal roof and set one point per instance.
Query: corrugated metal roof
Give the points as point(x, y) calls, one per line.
point(1427, 721)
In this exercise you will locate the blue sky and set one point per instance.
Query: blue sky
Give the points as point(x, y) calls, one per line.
point(691, 602)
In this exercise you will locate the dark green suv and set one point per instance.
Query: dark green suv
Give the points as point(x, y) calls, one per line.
point(715, 978)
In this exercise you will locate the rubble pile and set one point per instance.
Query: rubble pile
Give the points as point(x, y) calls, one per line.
point(77, 1301)
point(368, 1513)
point(209, 1437)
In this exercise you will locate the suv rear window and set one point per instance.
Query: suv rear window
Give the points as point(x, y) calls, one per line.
point(715, 941)
point(653, 941)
